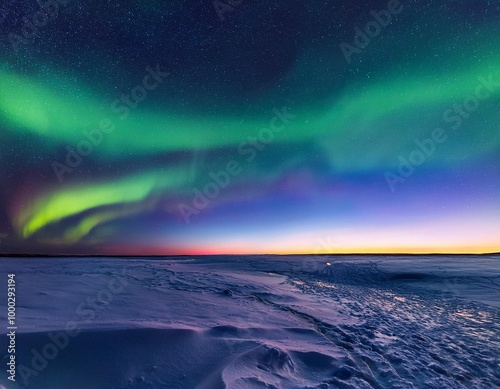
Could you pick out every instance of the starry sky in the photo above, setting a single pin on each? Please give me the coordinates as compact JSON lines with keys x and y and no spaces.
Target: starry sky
{"x":249,"y":127}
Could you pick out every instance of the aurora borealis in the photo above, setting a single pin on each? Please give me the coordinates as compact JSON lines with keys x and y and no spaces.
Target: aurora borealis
{"x":149,"y":127}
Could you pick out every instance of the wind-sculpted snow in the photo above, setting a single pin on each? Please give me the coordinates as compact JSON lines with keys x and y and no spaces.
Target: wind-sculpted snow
{"x":412,"y":337}
{"x":258,"y":323}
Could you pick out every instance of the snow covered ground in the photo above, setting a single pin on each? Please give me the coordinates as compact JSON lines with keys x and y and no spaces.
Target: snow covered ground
{"x":244,"y":322}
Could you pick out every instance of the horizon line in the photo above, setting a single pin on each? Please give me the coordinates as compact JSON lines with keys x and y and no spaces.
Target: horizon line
{"x":4,"y":255}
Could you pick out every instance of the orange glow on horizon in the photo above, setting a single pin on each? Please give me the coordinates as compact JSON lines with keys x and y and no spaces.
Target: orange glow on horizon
{"x":173,"y":251}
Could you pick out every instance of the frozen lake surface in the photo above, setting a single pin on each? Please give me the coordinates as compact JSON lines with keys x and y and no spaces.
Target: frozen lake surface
{"x":249,"y":322}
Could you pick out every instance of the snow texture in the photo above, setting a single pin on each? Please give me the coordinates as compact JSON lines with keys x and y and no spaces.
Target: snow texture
{"x":255,"y":322}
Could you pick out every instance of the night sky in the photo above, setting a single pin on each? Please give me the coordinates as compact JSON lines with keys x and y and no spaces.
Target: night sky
{"x":199,"y":127}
